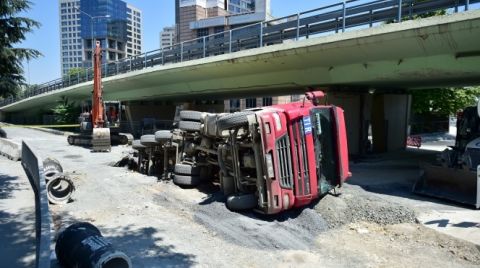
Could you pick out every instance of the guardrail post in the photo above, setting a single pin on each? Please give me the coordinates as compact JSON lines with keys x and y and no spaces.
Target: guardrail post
{"x":163,"y":61}
{"x":456,"y":6}
{"x":204,"y":46}
{"x":298,"y":26}
{"x":181,"y":52}
{"x":467,"y":5}
{"x":86,"y":75}
{"x":106,"y":69}
{"x":78,"y":77}
{"x":399,"y":18}
{"x":116,"y":68}
{"x":130,"y":63}
{"x":261,"y":34}
{"x":344,"y":15}
{"x":146,"y":53}
{"x":230,"y":41}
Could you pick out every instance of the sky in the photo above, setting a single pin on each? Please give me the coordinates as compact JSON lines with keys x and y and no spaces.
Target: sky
{"x":156,"y":15}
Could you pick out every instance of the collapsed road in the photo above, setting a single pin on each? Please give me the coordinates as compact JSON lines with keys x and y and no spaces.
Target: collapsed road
{"x":160,"y":224}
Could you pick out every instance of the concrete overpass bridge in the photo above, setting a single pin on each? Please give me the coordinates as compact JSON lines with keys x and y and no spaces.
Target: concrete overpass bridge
{"x":286,"y":55}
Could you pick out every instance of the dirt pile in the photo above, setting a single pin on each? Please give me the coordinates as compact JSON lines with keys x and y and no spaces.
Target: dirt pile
{"x":356,"y":206}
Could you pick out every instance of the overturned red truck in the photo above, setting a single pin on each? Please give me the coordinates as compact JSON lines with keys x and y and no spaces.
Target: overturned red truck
{"x":270,"y":159}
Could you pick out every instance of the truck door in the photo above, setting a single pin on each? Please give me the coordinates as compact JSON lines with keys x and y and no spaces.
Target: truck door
{"x":330,"y":143}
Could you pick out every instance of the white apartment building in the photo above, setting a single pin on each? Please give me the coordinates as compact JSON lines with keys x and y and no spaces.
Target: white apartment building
{"x":167,"y":37}
{"x":71,"y":44}
{"x":134,"y":31}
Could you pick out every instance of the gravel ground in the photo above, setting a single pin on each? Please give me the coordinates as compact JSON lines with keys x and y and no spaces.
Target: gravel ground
{"x":161,"y":225}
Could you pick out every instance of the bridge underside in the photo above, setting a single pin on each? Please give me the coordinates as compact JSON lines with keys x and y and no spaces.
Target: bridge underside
{"x":434,"y":52}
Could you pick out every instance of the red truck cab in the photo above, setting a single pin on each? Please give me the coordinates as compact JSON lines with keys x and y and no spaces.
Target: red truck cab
{"x":300,"y":152}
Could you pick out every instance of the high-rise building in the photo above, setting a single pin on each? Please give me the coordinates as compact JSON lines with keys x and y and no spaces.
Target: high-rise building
{"x":167,"y":37}
{"x":241,"y":6}
{"x":134,"y":31}
{"x":197,"y":18}
{"x":116,"y":24}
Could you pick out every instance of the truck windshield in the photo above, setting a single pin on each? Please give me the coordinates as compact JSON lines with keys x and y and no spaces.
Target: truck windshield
{"x":323,"y":131}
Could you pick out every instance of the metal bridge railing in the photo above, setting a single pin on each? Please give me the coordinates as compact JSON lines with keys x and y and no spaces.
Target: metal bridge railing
{"x":34,"y":168}
{"x":333,"y":18}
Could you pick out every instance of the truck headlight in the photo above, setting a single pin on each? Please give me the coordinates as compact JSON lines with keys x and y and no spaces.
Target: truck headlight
{"x":270,"y":170}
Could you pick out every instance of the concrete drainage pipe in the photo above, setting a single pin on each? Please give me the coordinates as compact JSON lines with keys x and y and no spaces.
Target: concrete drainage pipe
{"x":60,"y":189}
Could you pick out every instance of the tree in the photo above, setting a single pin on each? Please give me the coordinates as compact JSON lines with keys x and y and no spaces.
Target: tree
{"x":13,"y":29}
{"x":74,"y":72}
{"x":445,"y":101}
{"x":65,"y":111}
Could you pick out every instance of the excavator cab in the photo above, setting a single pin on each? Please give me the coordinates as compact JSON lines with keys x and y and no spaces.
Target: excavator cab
{"x":456,"y":175}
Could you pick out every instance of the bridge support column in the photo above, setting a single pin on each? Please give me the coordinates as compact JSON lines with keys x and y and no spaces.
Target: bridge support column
{"x":2,"y":117}
{"x":389,"y":121}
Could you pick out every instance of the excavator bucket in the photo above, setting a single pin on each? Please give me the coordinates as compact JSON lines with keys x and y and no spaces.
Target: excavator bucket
{"x":101,"y":140}
{"x":458,"y":185}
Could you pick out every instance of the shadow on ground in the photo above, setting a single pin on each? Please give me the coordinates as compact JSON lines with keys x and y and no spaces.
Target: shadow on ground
{"x":144,"y":245}
{"x":8,"y":185}
{"x":17,"y":236}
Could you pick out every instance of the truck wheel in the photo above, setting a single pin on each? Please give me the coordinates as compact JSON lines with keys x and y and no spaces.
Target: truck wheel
{"x":241,"y":202}
{"x":227,"y":184}
{"x":137,"y":145}
{"x":148,"y":140}
{"x":191,"y":116}
{"x":186,"y":169}
{"x":189,"y":126}
{"x":186,"y":180}
{"x":233,"y":120}
{"x":163,"y":135}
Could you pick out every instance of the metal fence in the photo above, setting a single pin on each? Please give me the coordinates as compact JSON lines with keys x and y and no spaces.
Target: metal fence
{"x":339,"y":17}
{"x":34,"y":168}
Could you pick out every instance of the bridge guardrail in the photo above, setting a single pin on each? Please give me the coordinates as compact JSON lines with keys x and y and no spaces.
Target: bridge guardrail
{"x":34,"y":168}
{"x":331,"y":18}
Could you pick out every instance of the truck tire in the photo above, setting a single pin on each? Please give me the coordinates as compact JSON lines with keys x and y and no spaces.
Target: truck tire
{"x":241,"y":202}
{"x":228,"y":185}
{"x":189,"y":126}
{"x":233,"y":120}
{"x":163,"y":135}
{"x":186,"y":180}
{"x":148,"y":140}
{"x":185,"y":169}
{"x":190,"y":116}
{"x":137,"y":145}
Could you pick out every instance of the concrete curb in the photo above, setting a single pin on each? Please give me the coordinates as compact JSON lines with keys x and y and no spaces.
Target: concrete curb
{"x":10,"y":149}
{"x":52,"y":131}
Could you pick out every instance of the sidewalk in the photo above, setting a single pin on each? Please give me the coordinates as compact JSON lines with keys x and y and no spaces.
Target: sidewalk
{"x":17,"y":216}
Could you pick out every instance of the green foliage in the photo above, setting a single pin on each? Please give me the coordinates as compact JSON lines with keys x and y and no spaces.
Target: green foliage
{"x":445,"y":101}
{"x":65,"y":112}
{"x":74,"y":72}
{"x":13,"y":29}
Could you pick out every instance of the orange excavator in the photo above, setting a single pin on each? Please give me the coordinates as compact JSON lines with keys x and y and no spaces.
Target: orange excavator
{"x":100,"y":127}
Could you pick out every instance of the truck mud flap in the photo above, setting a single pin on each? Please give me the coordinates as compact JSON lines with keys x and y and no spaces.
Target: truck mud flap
{"x":458,"y":185}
